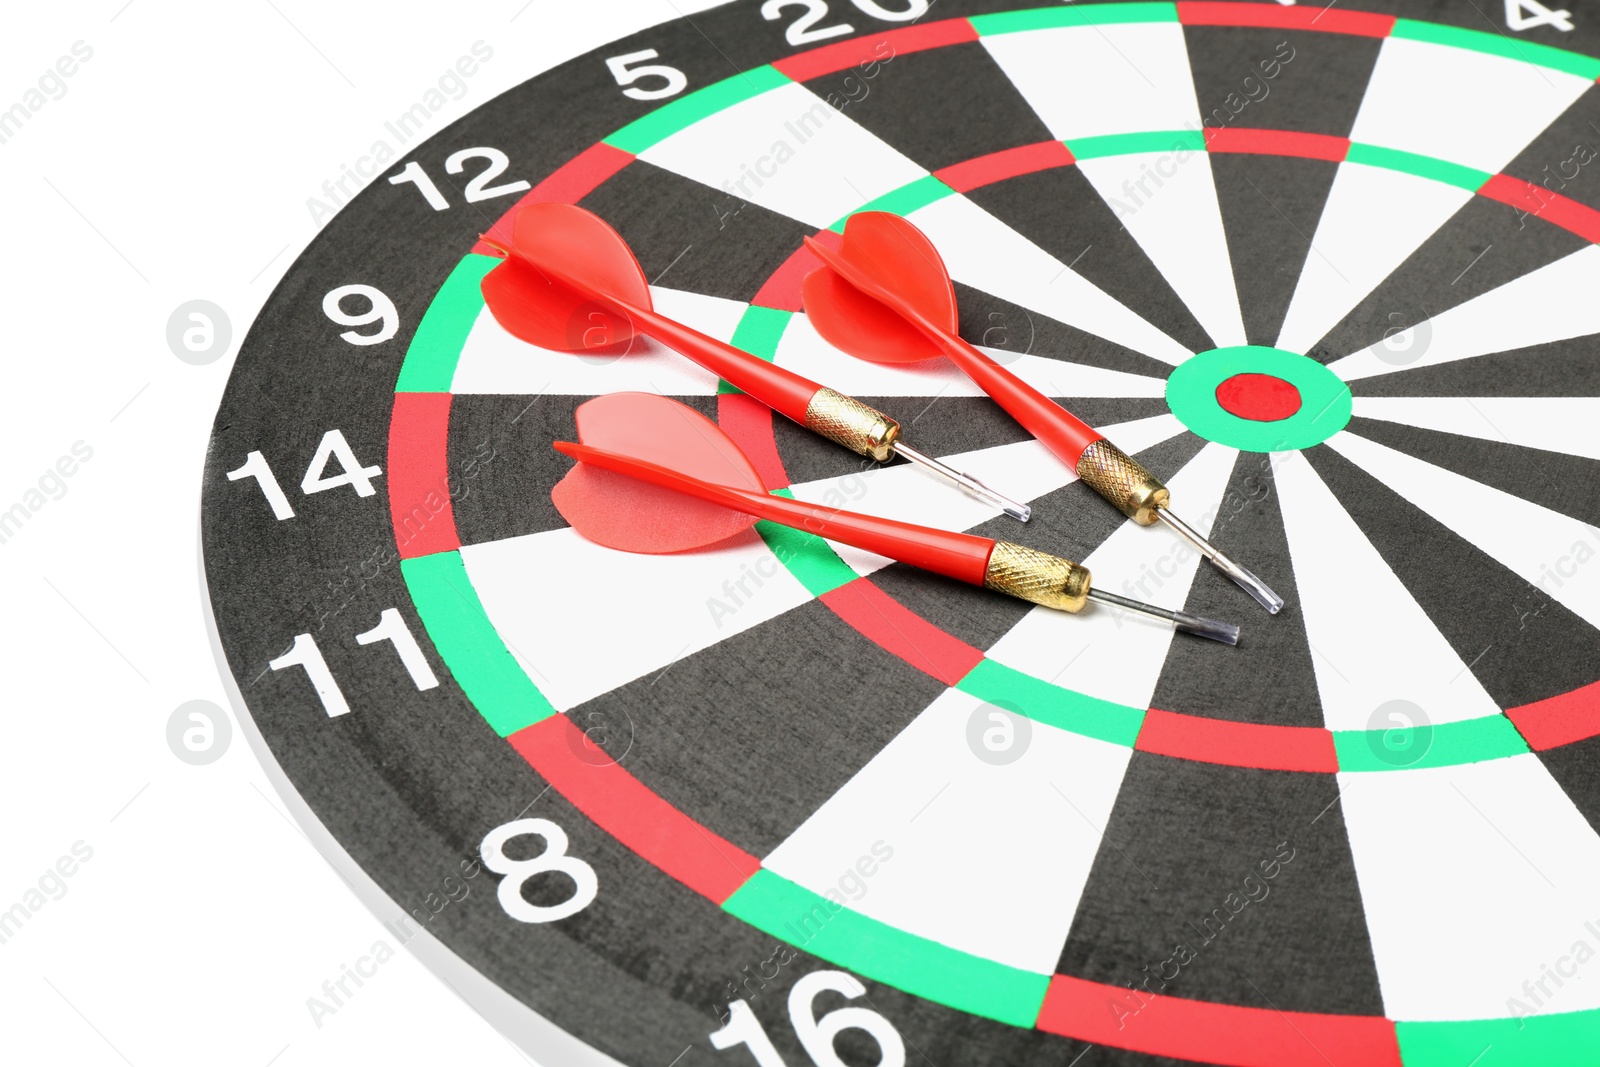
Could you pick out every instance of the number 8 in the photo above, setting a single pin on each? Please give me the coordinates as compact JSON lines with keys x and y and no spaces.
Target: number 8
{"x":517,"y":872}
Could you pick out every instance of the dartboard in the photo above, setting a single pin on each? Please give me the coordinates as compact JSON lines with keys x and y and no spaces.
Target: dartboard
{"x":1328,"y":272}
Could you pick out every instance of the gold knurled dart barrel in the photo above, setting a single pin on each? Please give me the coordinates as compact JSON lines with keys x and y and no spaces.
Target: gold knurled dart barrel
{"x":846,"y":421}
{"x":1121,"y":479}
{"x":1028,"y":574}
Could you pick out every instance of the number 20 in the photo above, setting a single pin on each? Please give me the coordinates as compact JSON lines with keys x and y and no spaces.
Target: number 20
{"x":804,"y":30}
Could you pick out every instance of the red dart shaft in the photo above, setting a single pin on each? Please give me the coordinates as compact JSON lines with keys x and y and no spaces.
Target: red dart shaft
{"x":962,"y":556}
{"x":1058,"y":429}
{"x":782,"y":390}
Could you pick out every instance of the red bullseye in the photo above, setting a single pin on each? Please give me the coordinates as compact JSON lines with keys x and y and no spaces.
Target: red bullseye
{"x":1258,"y":397}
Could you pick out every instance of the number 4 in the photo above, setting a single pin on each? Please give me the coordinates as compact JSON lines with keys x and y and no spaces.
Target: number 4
{"x":1526,"y":14}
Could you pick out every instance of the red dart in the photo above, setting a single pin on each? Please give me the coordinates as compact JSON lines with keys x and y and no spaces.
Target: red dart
{"x":885,"y":296}
{"x":570,"y":282}
{"x":654,"y":475}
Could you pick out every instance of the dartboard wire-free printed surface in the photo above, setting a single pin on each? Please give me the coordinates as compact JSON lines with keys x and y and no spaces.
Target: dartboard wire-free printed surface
{"x":1328,"y":272}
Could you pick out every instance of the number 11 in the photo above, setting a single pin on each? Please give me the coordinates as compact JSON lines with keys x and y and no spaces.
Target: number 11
{"x":391,"y":627}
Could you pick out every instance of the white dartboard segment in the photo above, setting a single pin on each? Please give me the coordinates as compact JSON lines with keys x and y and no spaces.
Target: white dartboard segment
{"x":1370,"y":641}
{"x":1537,"y":308}
{"x":829,"y":165}
{"x":1109,"y":654}
{"x":803,"y":351}
{"x":1103,"y":79}
{"x":590,"y":645}
{"x":1456,"y":105}
{"x":1524,"y":537}
{"x":1168,"y":202}
{"x":1564,"y":424}
{"x":1121,"y":78}
{"x":1027,"y":833}
{"x":985,"y":253}
{"x":1373,"y":220}
{"x":1460,"y":105}
{"x":1475,"y":878}
{"x":493,"y":361}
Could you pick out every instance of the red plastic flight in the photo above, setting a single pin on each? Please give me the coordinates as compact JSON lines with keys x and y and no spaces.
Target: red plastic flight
{"x":886,"y":296}
{"x":571,"y":283}
{"x":656,"y":476}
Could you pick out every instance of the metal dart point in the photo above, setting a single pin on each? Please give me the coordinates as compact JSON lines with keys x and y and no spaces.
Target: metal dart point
{"x":1245,"y":578}
{"x":967,"y":483}
{"x":1138,"y":494}
{"x":1225,"y":632}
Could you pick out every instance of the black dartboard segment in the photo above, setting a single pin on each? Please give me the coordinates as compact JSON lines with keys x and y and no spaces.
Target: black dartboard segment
{"x":786,"y":802}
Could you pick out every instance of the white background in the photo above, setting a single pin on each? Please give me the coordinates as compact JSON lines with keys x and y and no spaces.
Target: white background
{"x":177,"y":167}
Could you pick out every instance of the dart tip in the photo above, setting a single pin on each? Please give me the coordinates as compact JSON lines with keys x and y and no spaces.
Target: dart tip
{"x":1253,"y":585}
{"x":1224,"y":632}
{"x":1243,"y":577}
{"x":1212,"y":629}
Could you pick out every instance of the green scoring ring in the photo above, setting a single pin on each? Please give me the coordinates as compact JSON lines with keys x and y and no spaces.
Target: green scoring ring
{"x":1324,"y":398}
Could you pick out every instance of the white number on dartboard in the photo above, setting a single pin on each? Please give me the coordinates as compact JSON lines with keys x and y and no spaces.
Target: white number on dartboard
{"x":478,"y":187}
{"x":815,"y":1033}
{"x":333,"y":446}
{"x":804,"y":30}
{"x":800,"y":30}
{"x":391,"y":627}
{"x":554,"y":858}
{"x":380,"y":310}
{"x":1526,"y":14}
{"x":914,"y":9}
{"x":627,"y":70}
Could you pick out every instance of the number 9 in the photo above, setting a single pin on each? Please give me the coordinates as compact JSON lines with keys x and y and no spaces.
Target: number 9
{"x":382,"y":310}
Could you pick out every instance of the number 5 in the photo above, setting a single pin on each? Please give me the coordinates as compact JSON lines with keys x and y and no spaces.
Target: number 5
{"x":674,"y":79}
